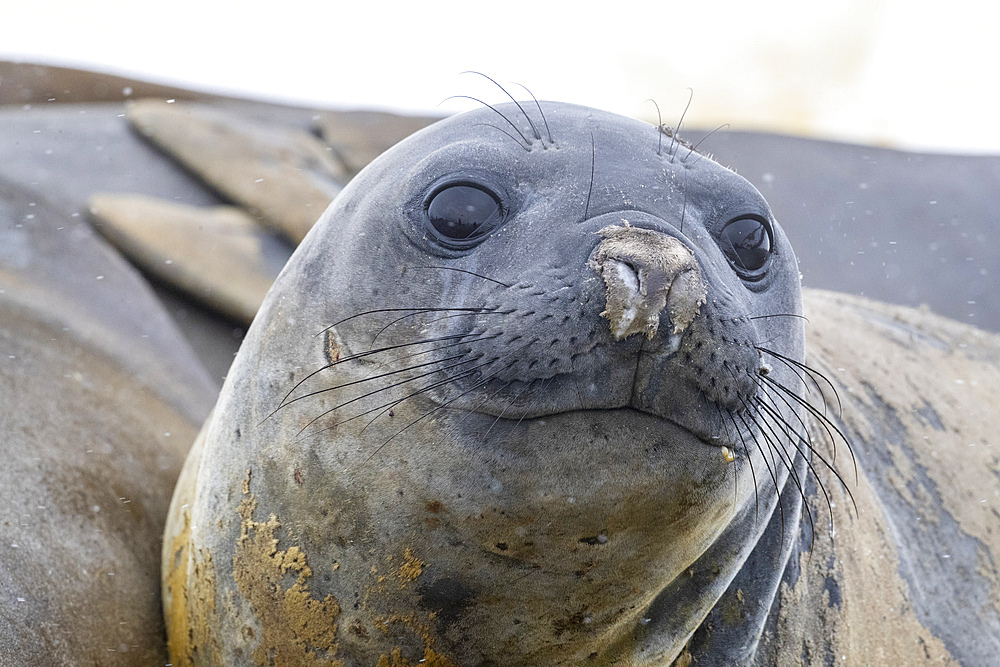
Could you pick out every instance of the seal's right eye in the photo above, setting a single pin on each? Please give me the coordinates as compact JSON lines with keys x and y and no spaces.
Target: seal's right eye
{"x":747,"y":242}
{"x":460,"y":216}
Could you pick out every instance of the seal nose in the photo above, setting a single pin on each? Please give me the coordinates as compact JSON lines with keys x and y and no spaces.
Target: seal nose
{"x":646,"y":272}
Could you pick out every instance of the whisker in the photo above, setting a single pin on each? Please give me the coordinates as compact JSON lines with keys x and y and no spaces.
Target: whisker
{"x":736,"y":465}
{"x":445,"y":347}
{"x":746,"y":452}
{"x":808,"y":442}
{"x":395,"y":402}
{"x":526,"y":149}
{"x":452,"y":268}
{"x":684,"y":206}
{"x":393,"y":310}
{"x":354,"y":357}
{"x":424,"y":416}
{"x":763,"y":317}
{"x":808,"y":369}
{"x":479,"y":384}
{"x":509,"y":405}
{"x":380,"y":390}
{"x":507,"y":93}
{"x":541,"y":386}
{"x":372,"y":378}
{"x":494,"y":110}
{"x":695,"y":147}
{"x":770,"y":471}
{"x":779,"y":450}
{"x":795,"y":438}
{"x":540,"y":112}
{"x":676,"y":133}
{"x":590,"y":189}
{"x":659,"y":124}
{"x":823,"y":419}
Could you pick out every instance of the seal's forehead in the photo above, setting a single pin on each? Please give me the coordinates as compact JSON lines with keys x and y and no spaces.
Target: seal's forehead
{"x":578,"y":133}
{"x":548,"y":122}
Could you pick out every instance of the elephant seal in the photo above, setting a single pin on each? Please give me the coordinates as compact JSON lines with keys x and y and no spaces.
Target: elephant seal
{"x":534,"y":390}
{"x":556,"y":397}
{"x":100,"y":397}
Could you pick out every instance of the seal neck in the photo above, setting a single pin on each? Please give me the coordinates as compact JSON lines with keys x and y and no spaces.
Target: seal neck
{"x":731,"y":631}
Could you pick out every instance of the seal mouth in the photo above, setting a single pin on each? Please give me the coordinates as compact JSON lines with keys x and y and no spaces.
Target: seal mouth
{"x":701,"y":431}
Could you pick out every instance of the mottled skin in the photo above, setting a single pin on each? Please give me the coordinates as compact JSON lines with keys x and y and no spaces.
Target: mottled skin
{"x":570,"y":503}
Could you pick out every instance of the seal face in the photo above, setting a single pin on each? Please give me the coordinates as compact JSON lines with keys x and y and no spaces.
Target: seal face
{"x":554,"y":401}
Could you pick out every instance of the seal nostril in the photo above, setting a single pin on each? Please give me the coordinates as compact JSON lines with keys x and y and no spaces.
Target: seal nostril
{"x":646,"y":273}
{"x":628,"y":275}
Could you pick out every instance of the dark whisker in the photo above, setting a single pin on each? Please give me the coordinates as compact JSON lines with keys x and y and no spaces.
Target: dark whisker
{"x":760,"y":384}
{"x":395,"y":402}
{"x":659,"y":128}
{"x":795,"y":438}
{"x":764,"y":317}
{"x":808,"y":369}
{"x":381,"y":389}
{"x":526,"y":149}
{"x":451,"y":268}
{"x":494,"y":110}
{"x":507,"y":93}
{"x":746,"y":452}
{"x":360,"y":355}
{"x":424,"y":416}
{"x":736,"y":466}
{"x":770,"y":471}
{"x":808,"y":441}
{"x":778,"y":448}
{"x":590,"y":189}
{"x":393,"y":310}
{"x":695,"y":147}
{"x":445,"y":347}
{"x":825,"y":422}
{"x":805,"y":379}
{"x":540,"y":112}
{"x":676,"y":133}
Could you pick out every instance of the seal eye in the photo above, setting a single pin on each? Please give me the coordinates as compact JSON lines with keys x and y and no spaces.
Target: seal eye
{"x":747,"y":243}
{"x":461,"y":215}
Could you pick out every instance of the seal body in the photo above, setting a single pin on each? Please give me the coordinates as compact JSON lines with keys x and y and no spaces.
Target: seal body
{"x":512,"y":441}
{"x":99,"y":396}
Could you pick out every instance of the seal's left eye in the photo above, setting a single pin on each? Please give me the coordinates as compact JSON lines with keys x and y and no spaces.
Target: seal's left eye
{"x":747,"y":243}
{"x":461,"y":215}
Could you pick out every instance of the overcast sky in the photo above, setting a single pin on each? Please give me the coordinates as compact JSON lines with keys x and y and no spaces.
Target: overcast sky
{"x":876,"y":71}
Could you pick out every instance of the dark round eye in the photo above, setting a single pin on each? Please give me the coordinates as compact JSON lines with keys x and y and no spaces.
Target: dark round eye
{"x":461,"y":215}
{"x":747,"y":243}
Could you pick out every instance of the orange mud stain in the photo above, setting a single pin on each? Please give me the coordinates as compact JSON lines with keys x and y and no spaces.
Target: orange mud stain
{"x":296,"y":628}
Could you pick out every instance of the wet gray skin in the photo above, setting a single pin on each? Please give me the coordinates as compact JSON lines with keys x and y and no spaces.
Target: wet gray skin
{"x":550,"y":435}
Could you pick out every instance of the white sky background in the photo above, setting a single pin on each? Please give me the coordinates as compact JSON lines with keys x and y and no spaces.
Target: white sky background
{"x":880,"y":71}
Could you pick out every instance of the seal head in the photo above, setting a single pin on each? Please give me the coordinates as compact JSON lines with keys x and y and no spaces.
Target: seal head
{"x":546,"y":420}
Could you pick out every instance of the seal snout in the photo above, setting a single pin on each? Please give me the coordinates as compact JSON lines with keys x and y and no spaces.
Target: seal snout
{"x":646,"y":272}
